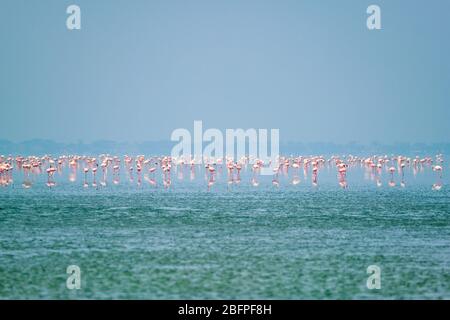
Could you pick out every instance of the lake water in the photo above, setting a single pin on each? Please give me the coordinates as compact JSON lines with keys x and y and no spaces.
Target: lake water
{"x":231,"y":242}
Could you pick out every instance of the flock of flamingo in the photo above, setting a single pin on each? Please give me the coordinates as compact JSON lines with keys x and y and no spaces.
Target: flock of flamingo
{"x":148,"y":169}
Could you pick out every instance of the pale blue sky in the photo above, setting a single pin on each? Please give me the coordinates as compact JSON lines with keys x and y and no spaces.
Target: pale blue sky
{"x":139,"y":69}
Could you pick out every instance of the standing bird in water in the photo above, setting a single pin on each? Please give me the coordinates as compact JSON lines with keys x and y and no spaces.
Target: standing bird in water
{"x":342,"y":175}
{"x":50,"y":181}
{"x":116,"y":174}
{"x":212,"y":176}
{"x":392,"y":182}
{"x":94,"y":171}
{"x":254,"y":181}
{"x":275,"y":180}
{"x":26,"y":171}
{"x":438,"y":184}
{"x":402,"y":171}
{"x":86,"y":170}
{"x":104,"y":166}
{"x":314,"y":173}
{"x":296,"y":177}
{"x":378,"y":174}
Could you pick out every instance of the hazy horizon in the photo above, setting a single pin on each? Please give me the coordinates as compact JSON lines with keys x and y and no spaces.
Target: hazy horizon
{"x":42,"y":147}
{"x":137,"y":71}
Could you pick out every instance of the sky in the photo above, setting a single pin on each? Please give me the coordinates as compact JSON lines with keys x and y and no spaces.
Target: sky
{"x":137,"y":70}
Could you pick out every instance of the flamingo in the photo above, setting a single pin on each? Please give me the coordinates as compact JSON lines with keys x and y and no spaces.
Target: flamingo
{"x":94,"y":182}
{"x":116,"y":174}
{"x":26,"y":183}
{"x":275,"y":180}
{"x":50,"y":171}
{"x":104,"y":167}
{"x":296,"y":177}
{"x":391,"y":182}
{"x":86,"y":170}
{"x":438,"y":184}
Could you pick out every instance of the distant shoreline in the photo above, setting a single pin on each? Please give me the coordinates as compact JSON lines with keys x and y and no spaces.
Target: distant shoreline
{"x":41,"y":146}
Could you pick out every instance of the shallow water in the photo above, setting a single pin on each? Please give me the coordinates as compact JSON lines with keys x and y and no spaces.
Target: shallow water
{"x":233,"y":242}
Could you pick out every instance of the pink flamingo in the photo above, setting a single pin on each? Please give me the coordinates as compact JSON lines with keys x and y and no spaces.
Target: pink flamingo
{"x":296,"y":177}
{"x":192,"y":174}
{"x":238,"y":168}
{"x":151,"y":179}
{"x":138,"y":169}
{"x":104,"y":167}
{"x":402,"y":172}
{"x":378,"y":174}
{"x":212,"y":176}
{"x":275,"y":180}
{"x":26,"y":183}
{"x":314,"y":175}
{"x":116,"y":174}
{"x":50,"y":181}
{"x":166,"y":172}
{"x":392,"y":182}
{"x":230,"y":175}
{"x":86,"y":170}
{"x":438,"y":184}
{"x":342,"y":174}
{"x":73,"y":168}
{"x":254,"y":180}
{"x":94,"y":171}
